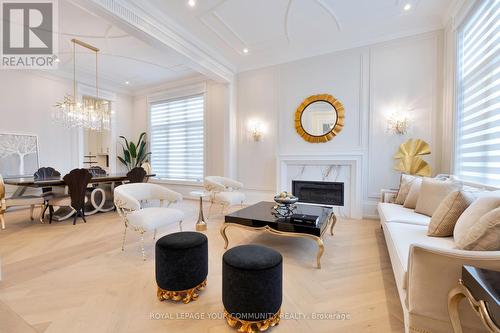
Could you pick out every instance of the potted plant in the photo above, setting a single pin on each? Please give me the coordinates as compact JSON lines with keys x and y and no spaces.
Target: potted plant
{"x":134,"y":154}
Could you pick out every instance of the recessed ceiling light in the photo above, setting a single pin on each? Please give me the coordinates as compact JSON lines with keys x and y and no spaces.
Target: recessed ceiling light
{"x":407,"y":7}
{"x":245,"y":50}
{"x":192,"y":3}
{"x":127,"y":82}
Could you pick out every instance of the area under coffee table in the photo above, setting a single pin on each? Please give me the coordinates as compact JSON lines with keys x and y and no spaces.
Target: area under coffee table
{"x":260,"y":217}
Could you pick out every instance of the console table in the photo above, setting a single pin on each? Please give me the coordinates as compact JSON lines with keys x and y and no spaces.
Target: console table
{"x":481,"y":287}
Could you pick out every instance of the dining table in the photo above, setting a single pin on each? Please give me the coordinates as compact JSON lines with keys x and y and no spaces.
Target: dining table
{"x":99,"y":194}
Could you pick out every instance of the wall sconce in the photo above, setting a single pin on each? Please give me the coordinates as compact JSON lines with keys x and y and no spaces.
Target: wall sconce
{"x":398,"y":123}
{"x":256,"y":129}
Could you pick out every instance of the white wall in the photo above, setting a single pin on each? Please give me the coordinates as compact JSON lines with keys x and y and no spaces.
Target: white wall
{"x":370,"y":82}
{"x":27,"y":103}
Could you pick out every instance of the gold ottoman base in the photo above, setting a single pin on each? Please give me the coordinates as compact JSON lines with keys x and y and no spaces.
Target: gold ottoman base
{"x":252,"y":326}
{"x":185,"y":296}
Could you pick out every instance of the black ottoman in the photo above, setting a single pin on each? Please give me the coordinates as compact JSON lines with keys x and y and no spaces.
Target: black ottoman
{"x":181,"y":265}
{"x":252,"y":287}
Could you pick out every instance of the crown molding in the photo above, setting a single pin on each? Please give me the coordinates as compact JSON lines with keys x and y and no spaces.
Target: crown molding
{"x":456,"y":12}
{"x":168,"y":85}
{"x":161,"y":30}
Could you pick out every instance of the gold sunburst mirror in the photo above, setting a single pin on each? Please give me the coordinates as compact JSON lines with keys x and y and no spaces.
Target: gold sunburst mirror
{"x":408,"y":158}
{"x":319,"y":118}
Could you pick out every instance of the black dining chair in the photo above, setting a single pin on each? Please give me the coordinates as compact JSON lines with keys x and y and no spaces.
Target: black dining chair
{"x":46,"y":173}
{"x":96,"y":171}
{"x":136,"y":175}
{"x":77,"y":181}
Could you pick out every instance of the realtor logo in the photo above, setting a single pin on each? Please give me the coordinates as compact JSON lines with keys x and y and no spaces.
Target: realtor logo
{"x":28,"y":34}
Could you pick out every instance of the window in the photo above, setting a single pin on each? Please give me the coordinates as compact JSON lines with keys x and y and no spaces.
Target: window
{"x":478,"y":102}
{"x":177,"y":138}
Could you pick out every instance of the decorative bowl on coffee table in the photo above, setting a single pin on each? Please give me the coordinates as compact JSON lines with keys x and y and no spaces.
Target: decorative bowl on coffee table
{"x":285,"y":204}
{"x":286,"y":200}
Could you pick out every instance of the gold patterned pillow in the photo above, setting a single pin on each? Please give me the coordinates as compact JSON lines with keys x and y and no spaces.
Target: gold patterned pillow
{"x":404,"y":187}
{"x":448,"y":212}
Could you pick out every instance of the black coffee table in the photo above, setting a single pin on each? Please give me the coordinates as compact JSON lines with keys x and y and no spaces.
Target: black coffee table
{"x":260,"y":217}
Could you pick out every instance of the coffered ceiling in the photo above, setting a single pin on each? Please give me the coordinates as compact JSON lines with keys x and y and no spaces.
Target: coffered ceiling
{"x":276,"y":31}
{"x":124,"y":60}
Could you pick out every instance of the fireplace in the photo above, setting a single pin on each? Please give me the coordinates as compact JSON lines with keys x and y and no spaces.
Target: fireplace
{"x":325,"y":193}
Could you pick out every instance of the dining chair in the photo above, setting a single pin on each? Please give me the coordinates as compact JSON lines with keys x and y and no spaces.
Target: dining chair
{"x":136,"y":175}
{"x":25,"y":200}
{"x":97,"y":171}
{"x":77,"y":181}
{"x":46,"y":173}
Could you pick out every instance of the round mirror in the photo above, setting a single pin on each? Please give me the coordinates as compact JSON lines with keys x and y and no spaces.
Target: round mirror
{"x":319,"y":118}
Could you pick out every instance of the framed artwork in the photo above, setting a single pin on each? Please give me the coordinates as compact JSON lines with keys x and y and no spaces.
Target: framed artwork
{"x":18,"y":155}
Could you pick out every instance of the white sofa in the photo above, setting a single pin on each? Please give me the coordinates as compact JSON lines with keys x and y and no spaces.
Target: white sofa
{"x":426,"y":269}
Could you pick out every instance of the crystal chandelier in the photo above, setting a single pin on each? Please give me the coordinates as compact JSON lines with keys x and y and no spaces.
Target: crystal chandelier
{"x":91,"y":113}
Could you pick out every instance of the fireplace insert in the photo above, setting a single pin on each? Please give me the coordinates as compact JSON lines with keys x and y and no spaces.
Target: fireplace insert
{"x":318,"y":192}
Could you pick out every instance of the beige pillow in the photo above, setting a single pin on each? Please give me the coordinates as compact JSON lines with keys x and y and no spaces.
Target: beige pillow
{"x":412,"y":197}
{"x":432,"y":192}
{"x":449,"y":210}
{"x":466,"y":233}
{"x":484,"y":235}
{"x":404,"y":187}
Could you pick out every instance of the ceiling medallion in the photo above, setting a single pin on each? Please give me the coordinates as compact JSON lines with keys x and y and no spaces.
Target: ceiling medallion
{"x":91,"y":113}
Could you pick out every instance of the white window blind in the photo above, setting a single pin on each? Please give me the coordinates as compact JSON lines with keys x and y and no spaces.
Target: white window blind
{"x":478,"y":102}
{"x":177,"y":138}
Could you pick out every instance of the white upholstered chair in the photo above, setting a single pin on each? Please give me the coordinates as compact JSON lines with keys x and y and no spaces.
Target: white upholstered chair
{"x":224,"y":191}
{"x":28,"y":200}
{"x":128,"y":198}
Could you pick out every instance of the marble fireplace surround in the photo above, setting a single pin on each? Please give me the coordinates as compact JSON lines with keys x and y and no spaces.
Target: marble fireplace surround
{"x":346,"y":168}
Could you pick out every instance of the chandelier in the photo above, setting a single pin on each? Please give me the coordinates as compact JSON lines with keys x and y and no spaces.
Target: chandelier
{"x":91,"y":113}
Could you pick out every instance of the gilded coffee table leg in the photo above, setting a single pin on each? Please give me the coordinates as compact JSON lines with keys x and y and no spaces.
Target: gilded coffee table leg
{"x":333,"y":219}
{"x":321,"y":250}
{"x":223,"y":233}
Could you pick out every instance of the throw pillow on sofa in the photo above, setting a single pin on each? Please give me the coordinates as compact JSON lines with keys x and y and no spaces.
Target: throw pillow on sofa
{"x":405,"y":184}
{"x":412,"y":197}
{"x":448,"y":212}
{"x":432,"y":192}
{"x":481,"y":234}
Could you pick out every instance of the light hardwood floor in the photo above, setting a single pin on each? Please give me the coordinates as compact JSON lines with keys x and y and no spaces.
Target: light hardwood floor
{"x":65,"y":278}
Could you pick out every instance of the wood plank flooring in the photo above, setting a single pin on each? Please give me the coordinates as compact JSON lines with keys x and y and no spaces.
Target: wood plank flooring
{"x":65,"y":278}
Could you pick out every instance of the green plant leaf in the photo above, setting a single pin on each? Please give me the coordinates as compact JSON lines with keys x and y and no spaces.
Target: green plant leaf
{"x":126,"y":155}
{"x":143,"y":159}
{"x":133,"y":150}
{"x":140,"y":152}
{"x":140,"y":138}
{"x":122,"y":160}
{"x":126,"y":141}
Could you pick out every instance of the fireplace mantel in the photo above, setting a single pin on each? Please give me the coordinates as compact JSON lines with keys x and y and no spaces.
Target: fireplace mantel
{"x":351,"y":161}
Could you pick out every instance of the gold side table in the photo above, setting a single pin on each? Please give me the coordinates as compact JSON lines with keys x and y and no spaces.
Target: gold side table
{"x":201,"y":224}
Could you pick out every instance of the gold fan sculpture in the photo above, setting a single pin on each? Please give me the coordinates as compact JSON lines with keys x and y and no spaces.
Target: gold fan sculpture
{"x":408,"y":158}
